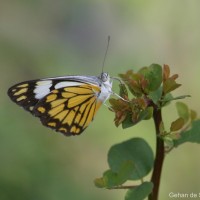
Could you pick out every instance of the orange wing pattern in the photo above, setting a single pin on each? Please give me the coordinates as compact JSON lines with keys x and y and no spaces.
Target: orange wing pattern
{"x":69,"y":110}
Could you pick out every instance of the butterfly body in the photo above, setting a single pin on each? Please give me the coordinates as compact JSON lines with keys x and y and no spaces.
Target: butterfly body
{"x":66,"y":104}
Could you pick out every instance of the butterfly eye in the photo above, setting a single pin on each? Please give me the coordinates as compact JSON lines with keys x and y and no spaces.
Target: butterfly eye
{"x":104,"y":76}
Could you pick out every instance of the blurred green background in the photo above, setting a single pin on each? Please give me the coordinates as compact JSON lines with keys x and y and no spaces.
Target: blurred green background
{"x":46,"y":38}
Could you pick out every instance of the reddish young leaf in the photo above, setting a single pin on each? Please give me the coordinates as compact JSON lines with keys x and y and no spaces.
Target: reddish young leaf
{"x":166,"y":72}
{"x":170,"y":85}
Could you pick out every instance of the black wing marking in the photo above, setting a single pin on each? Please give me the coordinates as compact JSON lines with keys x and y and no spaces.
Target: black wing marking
{"x":24,"y":94}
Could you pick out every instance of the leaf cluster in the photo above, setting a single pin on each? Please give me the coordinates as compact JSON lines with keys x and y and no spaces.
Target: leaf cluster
{"x":186,"y":128}
{"x":150,"y":86}
{"x":149,"y":90}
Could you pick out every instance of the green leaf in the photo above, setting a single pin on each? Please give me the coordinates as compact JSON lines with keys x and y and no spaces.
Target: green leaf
{"x":148,"y":113}
{"x":140,"y":192}
{"x":155,"y":96}
{"x":154,"y":76}
{"x":135,"y":150}
{"x":145,"y":114}
{"x":192,"y":135}
{"x":144,"y":71}
{"x":183,"y":110}
{"x":100,"y":182}
{"x":111,"y":179}
{"x":128,"y":122}
{"x":125,"y":171}
{"x":168,"y":97}
{"x":177,"y":124}
{"x":180,"y":97}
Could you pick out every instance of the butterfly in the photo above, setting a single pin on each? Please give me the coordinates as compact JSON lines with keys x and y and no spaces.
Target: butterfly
{"x":66,"y":104}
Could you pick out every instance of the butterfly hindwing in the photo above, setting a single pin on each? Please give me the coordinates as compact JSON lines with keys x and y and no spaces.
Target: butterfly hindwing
{"x":70,"y":109}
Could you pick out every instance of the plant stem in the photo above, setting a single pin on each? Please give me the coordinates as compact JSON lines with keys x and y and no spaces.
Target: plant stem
{"x":124,"y":187}
{"x":159,"y":157}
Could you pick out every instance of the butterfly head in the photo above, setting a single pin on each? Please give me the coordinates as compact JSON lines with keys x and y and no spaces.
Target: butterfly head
{"x":104,"y":77}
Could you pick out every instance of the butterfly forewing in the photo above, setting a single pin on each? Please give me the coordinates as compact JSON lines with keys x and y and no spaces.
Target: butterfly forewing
{"x":27,"y":94}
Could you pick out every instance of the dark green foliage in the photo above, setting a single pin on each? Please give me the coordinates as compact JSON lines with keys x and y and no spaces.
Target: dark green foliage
{"x":136,"y":151}
{"x":129,"y":160}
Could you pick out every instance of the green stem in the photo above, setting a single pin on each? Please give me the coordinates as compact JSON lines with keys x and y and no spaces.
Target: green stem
{"x":159,"y":157}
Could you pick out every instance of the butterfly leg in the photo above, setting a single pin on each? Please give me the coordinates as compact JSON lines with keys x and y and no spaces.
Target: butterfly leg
{"x":110,"y":108}
{"x":115,"y":94}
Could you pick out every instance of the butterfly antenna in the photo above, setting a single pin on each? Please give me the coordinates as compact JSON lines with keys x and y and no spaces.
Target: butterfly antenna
{"x":104,"y":59}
